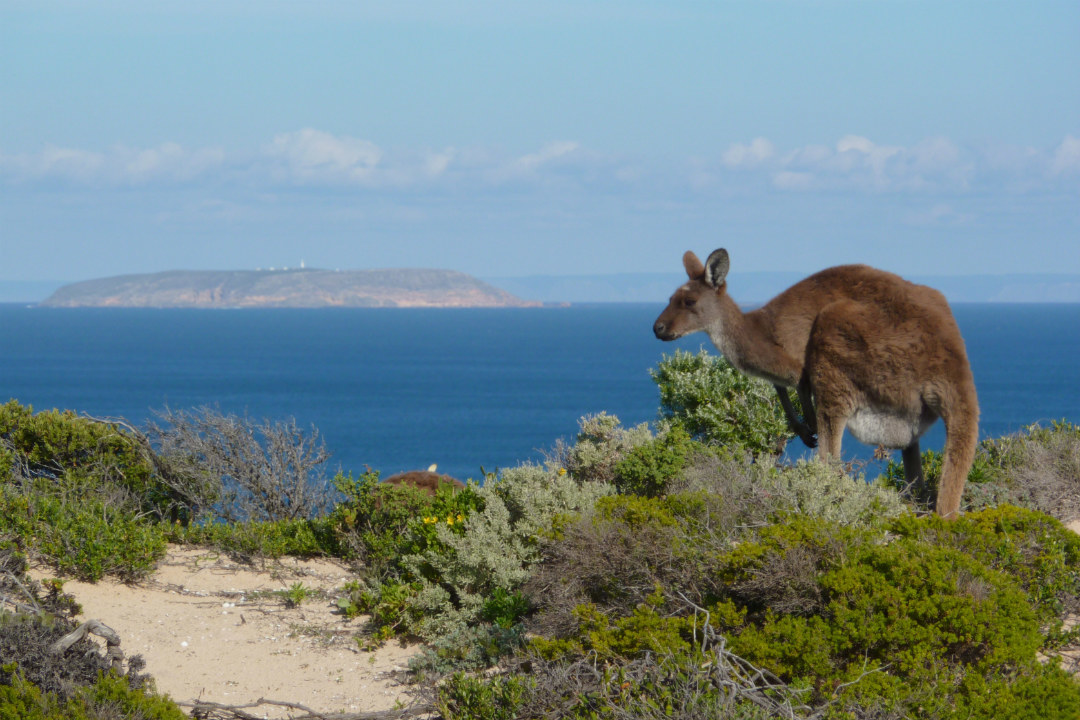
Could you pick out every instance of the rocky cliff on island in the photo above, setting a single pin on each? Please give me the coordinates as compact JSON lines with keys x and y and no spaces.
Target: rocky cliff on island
{"x":300,"y":288}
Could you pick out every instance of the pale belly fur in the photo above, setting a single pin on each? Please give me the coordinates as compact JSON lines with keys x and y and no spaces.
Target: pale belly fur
{"x":889,"y":427}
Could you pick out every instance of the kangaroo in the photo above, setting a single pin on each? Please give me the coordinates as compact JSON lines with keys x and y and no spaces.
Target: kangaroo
{"x":428,"y":480}
{"x":865,"y":349}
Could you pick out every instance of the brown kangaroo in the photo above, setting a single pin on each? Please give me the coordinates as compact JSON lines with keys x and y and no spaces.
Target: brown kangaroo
{"x":428,"y":480}
{"x":872,"y":351}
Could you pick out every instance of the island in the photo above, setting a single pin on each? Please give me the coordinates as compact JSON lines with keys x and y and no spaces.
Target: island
{"x":287,"y":288}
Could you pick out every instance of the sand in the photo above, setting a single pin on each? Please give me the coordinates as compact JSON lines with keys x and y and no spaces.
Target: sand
{"x":214,"y":630}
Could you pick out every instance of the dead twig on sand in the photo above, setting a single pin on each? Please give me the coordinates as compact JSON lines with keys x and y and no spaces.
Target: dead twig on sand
{"x":93,"y":627}
{"x":204,"y":710}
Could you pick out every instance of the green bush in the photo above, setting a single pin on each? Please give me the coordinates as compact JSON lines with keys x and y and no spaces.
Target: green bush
{"x":1037,"y":468}
{"x":848,"y":616}
{"x":392,"y":607}
{"x":1033,"y":549}
{"x":505,"y":608}
{"x":80,"y":493}
{"x":79,"y":456}
{"x":249,"y":541}
{"x":110,"y":698}
{"x":719,"y":405}
{"x":600,"y":444}
{"x":647,"y":469}
{"x":464,"y":697}
{"x":379,"y":524}
{"x":494,"y":548}
{"x":85,"y":539}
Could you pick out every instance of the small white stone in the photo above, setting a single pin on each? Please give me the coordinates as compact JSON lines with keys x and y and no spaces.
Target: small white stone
{"x":183,"y":643}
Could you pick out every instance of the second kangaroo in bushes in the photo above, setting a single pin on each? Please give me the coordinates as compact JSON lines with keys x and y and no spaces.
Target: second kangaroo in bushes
{"x":866,"y":350}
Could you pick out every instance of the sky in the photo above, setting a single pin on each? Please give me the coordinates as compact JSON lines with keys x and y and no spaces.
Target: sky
{"x":538,"y":138}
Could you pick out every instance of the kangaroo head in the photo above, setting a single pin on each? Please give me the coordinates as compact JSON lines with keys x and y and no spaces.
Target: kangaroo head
{"x":694,"y":305}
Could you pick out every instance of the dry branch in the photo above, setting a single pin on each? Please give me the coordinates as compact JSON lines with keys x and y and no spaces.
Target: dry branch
{"x":206,"y":710}
{"x":95,"y":627}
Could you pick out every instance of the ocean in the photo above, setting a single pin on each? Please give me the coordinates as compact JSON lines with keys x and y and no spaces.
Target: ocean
{"x":401,"y":389}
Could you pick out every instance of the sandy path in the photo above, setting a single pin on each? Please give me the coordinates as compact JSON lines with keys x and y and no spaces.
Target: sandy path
{"x":211,"y":629}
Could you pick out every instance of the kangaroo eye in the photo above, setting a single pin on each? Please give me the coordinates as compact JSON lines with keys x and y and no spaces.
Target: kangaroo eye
{"x":689,"y":302}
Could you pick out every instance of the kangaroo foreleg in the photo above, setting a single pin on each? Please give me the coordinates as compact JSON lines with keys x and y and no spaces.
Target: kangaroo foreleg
{"x":803,"y":428}
{"x":806,"y":399}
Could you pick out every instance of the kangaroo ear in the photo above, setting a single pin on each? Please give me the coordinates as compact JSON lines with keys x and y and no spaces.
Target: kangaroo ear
{"x":694,"y":268}
{"x":716,"y":267}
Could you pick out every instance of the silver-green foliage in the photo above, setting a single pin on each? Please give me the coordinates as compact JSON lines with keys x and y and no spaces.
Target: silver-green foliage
{"x":720,"y":405}
{"x":824,"y":490}
{"x":756,"y":492}
{"x":600,"y":444}
{"x":499,"y":545}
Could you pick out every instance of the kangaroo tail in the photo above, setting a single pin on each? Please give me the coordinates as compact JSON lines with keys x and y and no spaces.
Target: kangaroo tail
{"x":961,"y":439}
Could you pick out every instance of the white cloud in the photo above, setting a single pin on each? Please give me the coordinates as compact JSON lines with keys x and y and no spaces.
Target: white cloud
{"x":939,"y":214}
{"x":856,"y":154}
{"x":752,"y":155}
{"x":437,"y":163}
{"x":809,"y":155}
{"x":1066,"y":156}
{"x":789,"y":180}
{"x":548,"y":153}
{"x":936,"y":164}
{"x":118,"y":166}
{"x":167,"y":161}
{"x":313,"y":155}
{"x":55,"y":161}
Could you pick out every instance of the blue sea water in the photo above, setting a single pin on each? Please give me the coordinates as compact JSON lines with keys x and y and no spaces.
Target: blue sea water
{"x":401,"y":389}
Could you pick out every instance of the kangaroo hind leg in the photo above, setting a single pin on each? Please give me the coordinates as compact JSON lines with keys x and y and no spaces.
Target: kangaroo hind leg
{"x":913,"y":470}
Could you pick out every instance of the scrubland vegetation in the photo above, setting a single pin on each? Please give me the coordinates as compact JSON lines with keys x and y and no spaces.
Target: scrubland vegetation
{"x":679,"y":571}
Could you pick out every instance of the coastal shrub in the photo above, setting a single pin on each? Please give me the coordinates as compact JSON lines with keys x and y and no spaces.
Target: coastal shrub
{"x":392,"y":607}
{"x":616,"y":555}
{"x":467,"y":647}
{"x":505,"y":608}
{"x":648,"y":468}
{"x":469,"y":572}
{"x":824,"y":490}
{"x":1032,"y":548}
{"x":763,"y":490}
{"x":238,"y":468}
{"x":719,"y":405}
{"x":600,"y":444}
{"x":76,"y":457}
{"x":109,"y":698}
{"x":653,"y":687}
{"x":852,"y":611}
{"x":251,"y":541}
{"x":379,"y":524}
{"x":87,"y":539}
{"x":1038,"y":468}
{"x":464,"y":697}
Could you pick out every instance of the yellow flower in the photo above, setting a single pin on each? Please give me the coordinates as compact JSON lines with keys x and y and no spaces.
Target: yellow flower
{"x":460,"y":518}
{"x":562,"y":471}
{"x":449,"y":519}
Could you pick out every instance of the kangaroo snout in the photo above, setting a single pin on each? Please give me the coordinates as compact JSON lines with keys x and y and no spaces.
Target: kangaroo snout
{"x":661,"y":332}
